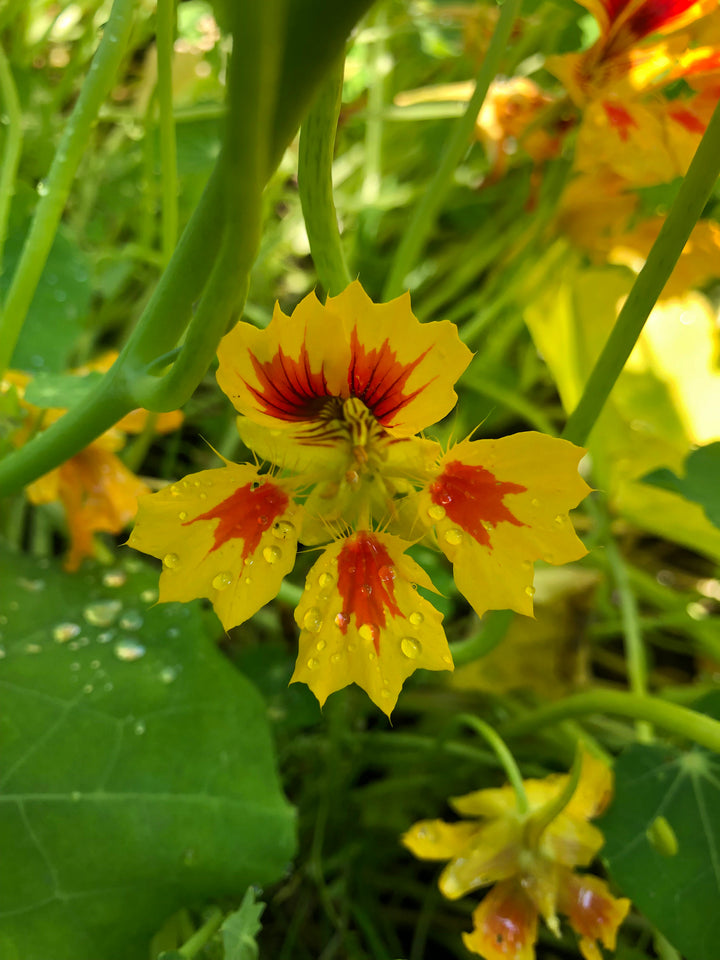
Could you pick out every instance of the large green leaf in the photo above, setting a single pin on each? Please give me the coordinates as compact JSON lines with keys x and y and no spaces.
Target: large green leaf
{"x":700,"y":483}
{"x":138,"y":771}
{"x":663,"y":840}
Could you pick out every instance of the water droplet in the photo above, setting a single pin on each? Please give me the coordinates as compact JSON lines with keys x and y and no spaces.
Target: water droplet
{"x":534,"y":502}
{"x":73,"y":645}
{"x":139,"y":728}
{"x":102,"y":613}
{"x":352,"y":647}
{"x":173,"y":632}
{"x":385,"y":694}
{"x":105,"y":637}
{"x":33,"y":586}
{"x":171,"y":561}
{"x":94,"y":664}
{"x":32,"y":648}
{"x":386,"y":574}
{"x":65,"y":631}
{"x":447,"y":660}
{"x":436,"y":512}
{"x":416,"y":618}
{"x":202,"y":496}
{"x":320,"y":645}
{"x":3,"y":653}
{"x":283,"y":530}
{"x":560,"y":520}
{"x":223,"y":580}
{"x":411,"y":647}
{"x":114,"y":578}
{"x":108,"y":686}
{"x":272,"y":554}
{"x":75,"y":667}
{"x":454,"y":536}
{"x":342,"y":620}
{"x":42,"y":188}
{"x":335,"y":658}
{"x":128,"y":650}
{"x":372,"y":655}
{"x":369,"y":632}
{"x":182,"y":515}
{"x":312,"y":620}
{"x":366,"y":589}
{"x":326,"y":580}
{"x":174,"y":490}
{"x":530,"y":591}
{"x":149,"y":596}
{"x":88,"y":688}
{"x":132,"y":620}
{"x":313,"y":664}
{"x":168,"y":674}
{"x":60,"y":296}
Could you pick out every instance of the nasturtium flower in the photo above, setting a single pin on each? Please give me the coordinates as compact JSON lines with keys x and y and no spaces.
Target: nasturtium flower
{"x":530,"y":859}
{"x":332,"y":398}
{"x":97,"y":491}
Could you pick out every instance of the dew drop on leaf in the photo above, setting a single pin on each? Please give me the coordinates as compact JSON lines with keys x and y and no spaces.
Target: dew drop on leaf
{"x":65,"y":631}
{"x":102,"y":613}
{"x":128,"y":650}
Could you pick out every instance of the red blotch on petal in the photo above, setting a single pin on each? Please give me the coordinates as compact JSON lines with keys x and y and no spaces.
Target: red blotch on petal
{"x":652,"y":15}
{"x":366,"y":584}
{"x":505,"y":924}
{"x":619,"y":118}
{"x":289,"y":389}
{"x":592,"y":910}
{"x":378,"y":378}
{"x":688,"y":120}
{"x":473,"y":498}
{"x":245,"y":515}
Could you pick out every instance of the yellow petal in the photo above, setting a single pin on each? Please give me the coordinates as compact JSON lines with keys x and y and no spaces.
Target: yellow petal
{"x":499,"y":505}
{"x":229,"y":535}
{"x":570,"y":841}
{"x":492,"y":855}
{"x":505,"y":925}
{"x":437,"y":840}
{"x":363,"y":622}
{"x":592,"y":911}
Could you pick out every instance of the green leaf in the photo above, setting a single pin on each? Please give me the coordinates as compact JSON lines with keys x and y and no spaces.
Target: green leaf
{"x":700,"y":483}
{"x":675,"y":884}
{"x":138,"y":770}
{"x":60,"y":389}
{"x":241,"y":928}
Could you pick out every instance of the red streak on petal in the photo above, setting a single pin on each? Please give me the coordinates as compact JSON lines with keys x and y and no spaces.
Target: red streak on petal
{"x":593,"y":912}
{"x":507,"y":921}
{"x":655,"y":14}
{"x":688,"y":120}
{"x":245,"y":515}
{"x":472,"y":497}
{"x":366,"y":589}
{"x":619,"y":118}
{"x":289,"y":389}
{"x":378,"y":378}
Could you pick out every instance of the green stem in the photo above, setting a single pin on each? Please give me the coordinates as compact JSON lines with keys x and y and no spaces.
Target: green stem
{"x":12,"y":147}
{"x":317,"y":144}
{"x":694,"y":193}
{"x":668,"y":716}
{"x":203,"y":936}
{"x":377,"y":54}
{"x":492,"y":631}
{"x":56,"y":188}
{"x":168,"y":146}
{"x":507,"y":760}
{"x":423,"y":218}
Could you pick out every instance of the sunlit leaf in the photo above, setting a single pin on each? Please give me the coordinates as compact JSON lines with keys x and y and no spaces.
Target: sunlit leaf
{"x":701,"y":482}
{"x":241,"y":928}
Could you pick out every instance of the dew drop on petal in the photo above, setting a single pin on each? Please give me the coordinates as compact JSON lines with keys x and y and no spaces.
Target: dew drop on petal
{"x":131,"y":620}
{"x":114,"y":578}
{"x":447,"y":660}
{"x":171,"y":561}
{"x":369,"y":632}
{"x":342,"y":620}
{"x":436,"y":512}
{"x":530,"y":591}
{"x":386,"y":574}
{"x":202,"y":496}
{"x":128,"y":650}
{"x":283,"y":529}
{"x":313,"y":664}
{"x":411,"y":647}
{"x":182,"y":515}
{"x":222,"y":580}
{"x":534,"y":502}
{"x":385,"y":694}
{"x":559,"y":520}
{"x":372,"y":655}
{"x":174,"y":490}
{"x":65,"y":631}
{"x":335,"y":658}
{"x":416,"y":618}
{"x":312,"y":620}
{"x":320,"y":645}
{"x":102,"y":613}
{"x":454,"y":536}
{"x":326,"y":580}
{"x":366,"y":589}
{"x":272,"y":554}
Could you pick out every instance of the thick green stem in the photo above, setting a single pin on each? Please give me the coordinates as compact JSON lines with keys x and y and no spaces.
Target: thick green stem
{"x":317,"y":144}
{"x":668,"y":716}
{"x":56,"y":188}
{"x":203,"y":936}
{"x":694,"y":193}
{"x":492,"y":631}
{"x":168,"y":146}
{"x":12,"y":147}
{"x":423,"y":218}
{"x":507,"y":760}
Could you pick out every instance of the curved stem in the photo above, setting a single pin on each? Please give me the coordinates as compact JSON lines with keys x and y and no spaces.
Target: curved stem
{"x":317,"y":143}
{"x":675,"y":719}
{"x":423,"y":218}
{"x":56,"y":187}
{"x":494,"y":626}
{"x":168,"y":146}
{"x":503,"y":754}
{"x":694,"y":193}
{"x":13,"y":146}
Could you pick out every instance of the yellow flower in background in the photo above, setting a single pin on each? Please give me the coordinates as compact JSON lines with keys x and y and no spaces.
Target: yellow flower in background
{"x":530,"y":859}
{"x":333,"y":398}
{"x":97,"y":491}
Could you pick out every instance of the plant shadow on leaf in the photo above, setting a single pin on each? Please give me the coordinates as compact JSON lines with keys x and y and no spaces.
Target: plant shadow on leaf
{"x":138,"y":773}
